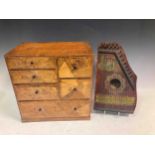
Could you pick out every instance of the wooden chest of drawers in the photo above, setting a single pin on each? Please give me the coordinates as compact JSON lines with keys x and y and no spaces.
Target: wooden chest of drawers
{"x":52,"y":81}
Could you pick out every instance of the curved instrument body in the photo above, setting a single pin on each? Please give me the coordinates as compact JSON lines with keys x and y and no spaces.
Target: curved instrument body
{"x":115,"y":80}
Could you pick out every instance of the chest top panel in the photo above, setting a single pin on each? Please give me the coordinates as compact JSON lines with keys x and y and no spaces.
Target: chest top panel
{"x":36,"y":49}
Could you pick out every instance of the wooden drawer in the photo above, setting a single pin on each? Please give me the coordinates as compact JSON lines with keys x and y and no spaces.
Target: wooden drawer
{"x":31,"y":63}
{"x":33,"y":76}
{"x":75,"y":88}
{"x":56,"y":110}
{"x":70,"y":67}
{"x":25,"y":92}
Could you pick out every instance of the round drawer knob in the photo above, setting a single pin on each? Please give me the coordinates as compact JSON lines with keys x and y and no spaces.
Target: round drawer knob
{"x":75,"y":109}
{"x":74,"y":66}
{"x":37,"y":92}
{"x":74,"y":89}
{"x":31,"y":62}
{"x":34,"y":77}
{"x":39,"y":109}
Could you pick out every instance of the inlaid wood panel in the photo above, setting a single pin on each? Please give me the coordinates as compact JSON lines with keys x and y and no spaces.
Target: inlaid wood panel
{"x":41,"y":110}
{"x":75,"y":88}
{"x":31,"y":63}
{"x":38,"y":92}
{"x":73,"y":67}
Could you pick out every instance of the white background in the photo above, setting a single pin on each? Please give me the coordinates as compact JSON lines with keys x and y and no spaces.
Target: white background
{"x":77,"y":144}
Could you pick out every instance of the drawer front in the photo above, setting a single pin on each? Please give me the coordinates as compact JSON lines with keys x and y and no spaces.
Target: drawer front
{"x":33,"y":76}
{"x":25,"y":92}
{"x":31,"y":63}
{"x":75,"y":88}
{"x":70,"y":67}
{"x":44,"y":110}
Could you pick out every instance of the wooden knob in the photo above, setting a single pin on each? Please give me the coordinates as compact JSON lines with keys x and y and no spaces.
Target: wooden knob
{"x":40,"y":109}
{"x":75,"y":108}
{"x":34,"y":76}
{"x":74,"y":89}
{"x":74,"y":66}
{"x":31,"y":62}
{"x":37,"y":92}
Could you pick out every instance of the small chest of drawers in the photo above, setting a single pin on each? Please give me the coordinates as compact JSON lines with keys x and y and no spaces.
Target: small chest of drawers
{"x":52,"y":81}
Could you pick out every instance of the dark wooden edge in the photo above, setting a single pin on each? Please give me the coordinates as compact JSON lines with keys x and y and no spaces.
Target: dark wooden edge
{"x":115,"y":108}
{"x":56,"y":119}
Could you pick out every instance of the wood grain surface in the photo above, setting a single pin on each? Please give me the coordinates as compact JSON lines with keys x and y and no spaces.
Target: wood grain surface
{"x":74,"y":67}
{"x":47,"y":110}
{"x":48,"y":49}
{"x":75,"y":88}
{"x":115,"y":80}
{"x":36,"y":92}
{"x":31,"y":63}
{"x":33,"y":76}
{"x":52,"y":81}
